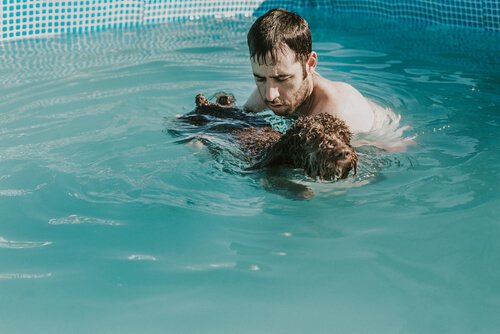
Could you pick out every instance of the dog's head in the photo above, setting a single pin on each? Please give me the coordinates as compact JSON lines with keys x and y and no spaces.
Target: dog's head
{"x":225,"y":99}
{"x":335,"y":159}
{"x":327,"y":157}
{"x":321,"y":146}
{"x":222,"y":100}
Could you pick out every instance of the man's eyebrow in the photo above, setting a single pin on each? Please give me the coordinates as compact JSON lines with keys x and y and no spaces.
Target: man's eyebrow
{"x":273,"y":76}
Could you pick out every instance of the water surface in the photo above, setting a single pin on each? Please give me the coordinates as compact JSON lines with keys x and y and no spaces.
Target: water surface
{"x":111,"y":226}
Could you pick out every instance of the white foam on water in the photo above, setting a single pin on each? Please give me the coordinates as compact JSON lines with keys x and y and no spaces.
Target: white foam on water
{"x":141,"y":257}
{"x":19,"y":192}
{"x":386,"y":132}
{"x":22,"y":276}
{"x":78,"y":220}
{"x":11,"y":244}
{"x":211,"y":266}
{"x":14,"y":192}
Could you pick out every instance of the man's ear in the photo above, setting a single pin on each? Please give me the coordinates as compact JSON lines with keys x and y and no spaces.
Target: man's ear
{"x":312,"y":61}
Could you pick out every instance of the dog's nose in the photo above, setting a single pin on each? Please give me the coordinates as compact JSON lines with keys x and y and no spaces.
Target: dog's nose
{"x":344,"y":154}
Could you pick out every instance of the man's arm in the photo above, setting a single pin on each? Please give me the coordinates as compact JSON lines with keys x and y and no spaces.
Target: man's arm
{"x":254,"y":102}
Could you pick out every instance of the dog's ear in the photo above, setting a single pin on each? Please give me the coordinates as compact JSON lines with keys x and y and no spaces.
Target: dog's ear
{"x":201,"y":100}
{"x":355,"y":163}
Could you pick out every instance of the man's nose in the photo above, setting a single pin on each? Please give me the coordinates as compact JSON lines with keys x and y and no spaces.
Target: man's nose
{"x":272,"y":92}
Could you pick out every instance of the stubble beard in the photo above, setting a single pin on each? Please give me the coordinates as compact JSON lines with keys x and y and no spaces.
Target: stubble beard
{"x":297,"y":101}
{"x":300,"y":97}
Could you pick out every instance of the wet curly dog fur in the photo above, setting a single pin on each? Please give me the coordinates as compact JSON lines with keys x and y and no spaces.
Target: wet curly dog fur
{"x":319,"y":144}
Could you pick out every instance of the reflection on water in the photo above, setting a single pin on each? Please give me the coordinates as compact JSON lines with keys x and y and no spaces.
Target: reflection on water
{"x":107,"y":53}
{"x":76,"y":220}
{"x":19,"y":276}
{"x":12,"y":244}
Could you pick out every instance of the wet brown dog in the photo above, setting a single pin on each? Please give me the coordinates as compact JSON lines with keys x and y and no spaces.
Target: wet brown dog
{"x":318,"y":144}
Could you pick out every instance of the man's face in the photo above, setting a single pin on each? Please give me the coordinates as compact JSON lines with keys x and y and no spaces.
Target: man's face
{"x":283,"y":86}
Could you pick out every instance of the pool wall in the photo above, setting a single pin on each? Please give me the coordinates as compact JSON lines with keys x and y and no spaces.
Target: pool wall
{"x":42,"y":18}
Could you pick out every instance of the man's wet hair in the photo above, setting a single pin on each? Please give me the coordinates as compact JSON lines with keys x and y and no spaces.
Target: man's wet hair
{"x":274,"y":31}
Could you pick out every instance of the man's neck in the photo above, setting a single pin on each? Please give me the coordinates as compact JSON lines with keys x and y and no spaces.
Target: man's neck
{"x":306,"y":107}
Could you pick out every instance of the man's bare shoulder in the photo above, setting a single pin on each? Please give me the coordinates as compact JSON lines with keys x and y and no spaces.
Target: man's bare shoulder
{"x":328,"y":95}
{"x":336,"y":89}
{"x":343,"y":100}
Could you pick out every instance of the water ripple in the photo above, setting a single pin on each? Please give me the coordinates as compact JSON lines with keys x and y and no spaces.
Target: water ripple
{"x":141,"y":257}
{"x":35,"y":61}
{"x":79,"y":220}
{"x":11,"y":244}
{"x":19,"y":276}
{"x":14,"y":192}
{"x":243,"y":266}
{"x":19,"y":192}
{"x":212,"y":202}
{"x":211,"y":266}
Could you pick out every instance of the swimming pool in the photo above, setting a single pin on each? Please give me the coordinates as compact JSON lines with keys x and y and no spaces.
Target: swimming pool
{"x":111,"y":226}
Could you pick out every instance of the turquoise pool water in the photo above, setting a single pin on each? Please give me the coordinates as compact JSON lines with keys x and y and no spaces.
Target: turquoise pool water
{"x":109,"y":225}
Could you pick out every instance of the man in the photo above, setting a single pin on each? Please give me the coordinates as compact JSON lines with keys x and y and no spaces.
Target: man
{"x":284,"y":68}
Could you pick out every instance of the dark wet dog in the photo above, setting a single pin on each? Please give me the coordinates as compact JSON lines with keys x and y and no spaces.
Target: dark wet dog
{"x":318,"y":144}
{"x":253,"y":134}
